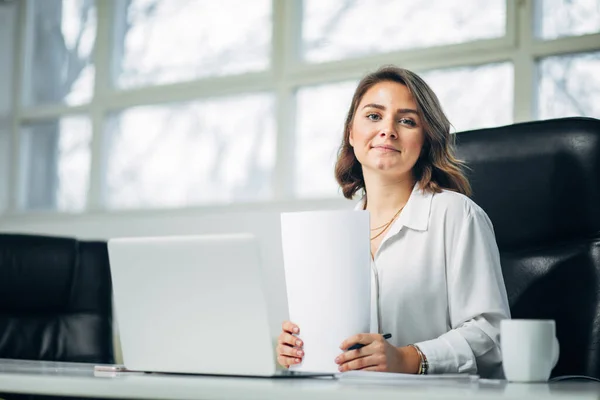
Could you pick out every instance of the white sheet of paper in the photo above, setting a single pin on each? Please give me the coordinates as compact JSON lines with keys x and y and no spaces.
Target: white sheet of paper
{"x":327,"y":263}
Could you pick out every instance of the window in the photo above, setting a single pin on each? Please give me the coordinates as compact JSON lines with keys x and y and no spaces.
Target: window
{"x":56,"y":169}
{"x":474,"y":97}
{"x":338,"y":29}
{"x":167,"y":41}
{"x":321,"y":111}
{"x":561,"y":18}
{"x":143,"y":104}
{"x":569,"y":86}
{"x":215,"y":151}
{"x":62,"y":36}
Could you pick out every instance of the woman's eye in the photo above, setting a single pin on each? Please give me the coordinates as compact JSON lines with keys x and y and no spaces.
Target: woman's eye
{"x":407,"y":121}
{"x":373,"y":117}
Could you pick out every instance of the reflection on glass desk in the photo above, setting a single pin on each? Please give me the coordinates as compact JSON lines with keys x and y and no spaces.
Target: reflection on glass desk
{"x":71,"y":379}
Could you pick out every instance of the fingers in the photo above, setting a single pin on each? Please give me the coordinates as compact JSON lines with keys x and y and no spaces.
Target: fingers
{"x":283,"y":350}
{"x":286,"y":361}
{"x":290,"y":327}
{"x":347,"y":356}
{"x":373,"y":362}
{"x":352,"y":355}
{"x":290,"y":340}
{"x":288,"y":355}
{"x":362,"y":338}
{"x":289,"y":347}
{"x":370,"y":357}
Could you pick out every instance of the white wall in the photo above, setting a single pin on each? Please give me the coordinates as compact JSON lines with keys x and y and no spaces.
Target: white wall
{"x":8,"y":23}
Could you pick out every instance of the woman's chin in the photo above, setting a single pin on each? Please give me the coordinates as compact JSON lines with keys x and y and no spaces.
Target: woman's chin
{"x":385,"y":164}
{"x":389,"y":169}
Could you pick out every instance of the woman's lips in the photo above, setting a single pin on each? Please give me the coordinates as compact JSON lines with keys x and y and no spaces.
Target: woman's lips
{"x":386,"y":149}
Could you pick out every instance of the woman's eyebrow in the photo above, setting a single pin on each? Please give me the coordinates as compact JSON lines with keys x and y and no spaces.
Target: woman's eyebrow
{"x":398,"y":111}
{"x":374,"y":105}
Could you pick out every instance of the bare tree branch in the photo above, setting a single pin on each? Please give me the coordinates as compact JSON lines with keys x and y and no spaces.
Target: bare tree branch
{"x":332,"y":24}
{"x":75,"y":61}
{"x":560,"y":80}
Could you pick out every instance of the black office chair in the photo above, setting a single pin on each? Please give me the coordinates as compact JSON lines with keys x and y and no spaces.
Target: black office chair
{"x":539,"y":182}
{"x":55,"y":299}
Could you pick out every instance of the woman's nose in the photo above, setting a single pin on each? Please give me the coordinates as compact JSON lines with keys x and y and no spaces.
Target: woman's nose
{"x":388,"y":131}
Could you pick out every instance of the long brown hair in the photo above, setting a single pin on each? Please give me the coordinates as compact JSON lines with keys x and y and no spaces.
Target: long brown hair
{"x":437,"y":167}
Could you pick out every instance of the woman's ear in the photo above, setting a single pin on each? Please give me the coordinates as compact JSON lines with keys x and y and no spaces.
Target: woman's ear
{"x":350,"y":138}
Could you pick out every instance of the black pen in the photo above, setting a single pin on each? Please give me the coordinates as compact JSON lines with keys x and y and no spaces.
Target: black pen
{"x":359,"y":345}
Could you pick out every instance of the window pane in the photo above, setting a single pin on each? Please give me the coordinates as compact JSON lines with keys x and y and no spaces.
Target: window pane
{"x":213,"y":151}
{"x":62,"y":36}
{"x":338,"y":29}
{"x":559,"y":18}
{"x":165,"y":41}
{"x":474,"y":97}
{"x":57,"y":164}
{"x":321,"y":111}
{"x":569,"y":86}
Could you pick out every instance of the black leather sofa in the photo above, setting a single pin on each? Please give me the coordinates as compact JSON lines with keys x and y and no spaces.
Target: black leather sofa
{"x":539,"y":182}
{"x":55,"y":299}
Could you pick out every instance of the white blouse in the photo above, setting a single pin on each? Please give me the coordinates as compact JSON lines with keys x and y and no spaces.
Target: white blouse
{"x":437,"y":283}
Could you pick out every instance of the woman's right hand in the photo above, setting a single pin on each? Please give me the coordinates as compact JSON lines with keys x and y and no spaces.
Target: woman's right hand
{"x":289,"y":347}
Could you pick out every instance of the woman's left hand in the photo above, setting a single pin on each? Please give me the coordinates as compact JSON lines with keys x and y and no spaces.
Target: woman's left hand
{"x":376,"y":355}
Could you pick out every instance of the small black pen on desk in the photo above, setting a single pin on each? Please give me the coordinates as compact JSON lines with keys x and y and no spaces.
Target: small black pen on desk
{"x":360,"y":345}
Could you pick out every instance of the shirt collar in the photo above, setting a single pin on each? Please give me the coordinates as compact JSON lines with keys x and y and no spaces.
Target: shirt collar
{"x":416,"y":212}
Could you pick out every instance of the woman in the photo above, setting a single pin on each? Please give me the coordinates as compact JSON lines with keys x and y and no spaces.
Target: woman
{"x":437,"y":283}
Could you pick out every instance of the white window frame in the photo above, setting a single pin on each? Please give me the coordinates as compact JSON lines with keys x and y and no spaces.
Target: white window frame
{"x":287,"y":73}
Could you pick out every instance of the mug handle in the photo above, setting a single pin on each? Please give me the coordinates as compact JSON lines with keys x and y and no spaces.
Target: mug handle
{"x":555,"y":352}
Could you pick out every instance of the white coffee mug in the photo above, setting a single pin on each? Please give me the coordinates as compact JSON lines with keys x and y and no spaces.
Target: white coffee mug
{"x":529,"y":349}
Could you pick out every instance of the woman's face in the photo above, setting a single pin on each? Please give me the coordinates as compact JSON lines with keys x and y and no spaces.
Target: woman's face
{"x":386,"y":132}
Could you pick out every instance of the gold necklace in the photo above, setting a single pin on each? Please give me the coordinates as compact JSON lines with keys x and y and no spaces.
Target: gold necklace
{"x":379,"y":227}
{"x":387,"y":225}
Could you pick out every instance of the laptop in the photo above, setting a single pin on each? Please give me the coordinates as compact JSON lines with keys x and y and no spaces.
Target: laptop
{"x":193,"y":305}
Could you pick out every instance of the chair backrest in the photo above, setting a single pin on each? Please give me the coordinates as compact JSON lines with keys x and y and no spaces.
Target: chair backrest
{"x":539,"y":182}
{"x":55,"y":299}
